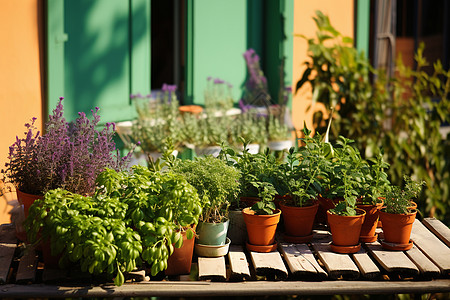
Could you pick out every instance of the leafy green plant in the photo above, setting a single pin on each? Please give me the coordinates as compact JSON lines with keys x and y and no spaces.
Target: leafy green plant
{"x":398,"y":200}
{"x":277,"y":130}
{"x":133,"y":218}
{"x":216,"y":182}
{"x":266,"y":192}
{"x":401,"y":115}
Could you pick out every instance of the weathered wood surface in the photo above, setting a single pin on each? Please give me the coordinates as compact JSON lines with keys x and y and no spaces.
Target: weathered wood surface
{"x":426,"y":267}
{"x":431,"y":246}
{"x":366,"y":266}
{"x":238,"y":263}
{"x":26,"y":271}
{"x":8,"y":245}
{"x":212,"y":268}
{"x":301,"y":262}
{"x":214,"y":289}
{"x":394,"y":262}
{"x":337,"y":265}
{"x":439,"y":229}
{"x":269,"y":264}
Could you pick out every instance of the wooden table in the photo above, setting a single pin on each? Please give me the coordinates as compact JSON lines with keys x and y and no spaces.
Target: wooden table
{"x":295,"y":269}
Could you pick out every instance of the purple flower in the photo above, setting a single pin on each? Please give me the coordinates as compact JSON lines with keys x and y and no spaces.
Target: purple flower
{"x":218,"y":81}
{"x":61,"y":98}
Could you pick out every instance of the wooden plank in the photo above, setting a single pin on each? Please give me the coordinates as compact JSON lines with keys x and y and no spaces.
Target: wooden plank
{"x":431,"y":246}
{"x":395,"y":262}
{"x":238,"y":263}
{"x":269,"y":264}
{"x":426,"y":267}
{"x":8,"y":244}
{"x":337,"y":265}
{"x":438,"y":228}
{"x":26,"y":271}
{"x":301,"y":262}
{"x":366,"y":265}
{"x":212,"y":268}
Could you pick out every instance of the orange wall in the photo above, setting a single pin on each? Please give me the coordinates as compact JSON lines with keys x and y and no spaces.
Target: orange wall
{"x":20,"y":77}
{"x":341,"y":14}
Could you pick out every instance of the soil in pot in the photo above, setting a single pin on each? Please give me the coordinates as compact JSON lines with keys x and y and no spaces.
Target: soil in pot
{"x":212,"y":233}
{"x":345,"y":231}
{"x":369,"y":226}
{"x":298,"y":222}
{"x":397,"y":227}
{"x":261,"y":228}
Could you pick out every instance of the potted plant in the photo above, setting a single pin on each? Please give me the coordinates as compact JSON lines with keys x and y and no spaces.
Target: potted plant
{"x":133,"y":217}
{"x":345,"y":220}
{"x":158,"y":118}
{"x":398,"y":216}
{"x":300,"y":207}
{"x":68,"y":156}
{"x":248,"y":127}
{"x":261,"y":219}
{"x":375,"y":182}
{"x":279,"y":134}
{"x":217,"y":184}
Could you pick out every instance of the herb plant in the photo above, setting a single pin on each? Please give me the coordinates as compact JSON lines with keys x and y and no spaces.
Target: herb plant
{"x":68,"y":156}
{"x":266,"y":192}
{"x":216,"y":182}
{"x":398,"y":200}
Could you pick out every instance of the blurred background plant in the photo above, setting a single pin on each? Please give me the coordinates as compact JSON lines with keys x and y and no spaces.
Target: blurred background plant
{"x":401,"y":115}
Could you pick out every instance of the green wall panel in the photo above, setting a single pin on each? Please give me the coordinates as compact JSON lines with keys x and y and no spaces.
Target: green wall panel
{"x":219,"y":41}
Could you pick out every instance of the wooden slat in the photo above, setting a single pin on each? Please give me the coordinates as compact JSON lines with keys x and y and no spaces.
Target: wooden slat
{"x":395,"y":262}
{"x":366,"y":265}
{"x":8,"y":244}
{"x":26,"y":271}
{"x":301,"y":261}
{"x":439,"y":229}
{"x":426,"y":267}
{"x":238,"y":263}
{"x":337,"y":265}
{"x":212,"y":268}
{"x":431,"y":246}
{"x":269,"y":264}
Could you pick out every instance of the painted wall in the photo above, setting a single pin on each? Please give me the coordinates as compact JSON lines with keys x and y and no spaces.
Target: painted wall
{"x":20,"y":77}
{"x":341,"y":14}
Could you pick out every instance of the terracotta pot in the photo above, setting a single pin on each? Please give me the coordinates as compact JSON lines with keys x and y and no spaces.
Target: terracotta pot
{"x":324,"y":205}
{"x":50,"y":261}
{"x":413,"y":206}
{"x":370,"y":221}
{"x":298,"y":221}
{"x":261,"y":228}
{"x":193,"y":109}
{"x":397,"y":227}
{"x":345,"y":230}
{"x":181,"y":259}
{"x":27,"y":200}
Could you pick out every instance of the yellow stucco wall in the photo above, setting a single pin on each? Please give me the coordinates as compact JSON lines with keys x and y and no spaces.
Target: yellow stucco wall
{"x":341,"y":14}
{"x":20,"y":77}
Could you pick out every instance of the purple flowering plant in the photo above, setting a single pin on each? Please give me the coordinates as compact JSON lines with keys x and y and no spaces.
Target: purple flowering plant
{"x":68,"y":156}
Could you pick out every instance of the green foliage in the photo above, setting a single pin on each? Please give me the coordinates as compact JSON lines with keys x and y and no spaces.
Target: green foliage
{"x":216,"y":182}
{"x":132,"y":218}
{"x":401,"y":115}
{"x":398,"y":200}
{"x":266,"y":192}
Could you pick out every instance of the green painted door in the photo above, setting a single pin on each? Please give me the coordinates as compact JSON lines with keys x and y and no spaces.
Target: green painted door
{"x":99,"y":54}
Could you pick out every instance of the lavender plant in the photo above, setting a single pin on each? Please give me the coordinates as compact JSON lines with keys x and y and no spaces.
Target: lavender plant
{"x":68,"y":156}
